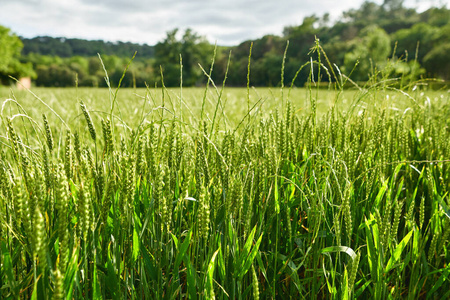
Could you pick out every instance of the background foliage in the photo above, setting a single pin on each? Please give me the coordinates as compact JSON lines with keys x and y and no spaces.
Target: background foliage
{"x":414,"y":44}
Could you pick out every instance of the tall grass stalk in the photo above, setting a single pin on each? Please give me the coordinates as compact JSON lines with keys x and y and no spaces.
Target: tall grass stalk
{"x":298,"y":202}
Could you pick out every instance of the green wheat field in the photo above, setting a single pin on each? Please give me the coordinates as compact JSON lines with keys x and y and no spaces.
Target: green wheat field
{"x":227,"y":193}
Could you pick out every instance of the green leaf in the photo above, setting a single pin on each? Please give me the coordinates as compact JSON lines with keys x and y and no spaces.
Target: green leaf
{"x":439,"y":283}
{"x":181,"y":250}
{"x":209,"y":287}
{"x":245,"y":250}
{"x":190,"y":277}
{"x":175,"y":240}
{"x":381,"y":194}
{"x":263,"y":270}
{"x":35,"y":291}
{"x":112,"y":281}
{"x":444,"y":206}
{"x":277,"y":201}
{"x":136,"y":243}
{"x":96,"y":294}
{"x":221,"y":265}
{"x":344,"y":285}
{"x":359,"y":291}
{"x":293,"y":273}
{"x":372,"y":247}
{"x":71,"y":271}
{"x":396,"y":171}
{"x":399,"y":189}
{"x":8,"y":269}
{"x":344,"y":249}
{"x":398,"y":251}
{"x":415,"y":249}
{"x":249,"y":260}
{"x":148,"y":264}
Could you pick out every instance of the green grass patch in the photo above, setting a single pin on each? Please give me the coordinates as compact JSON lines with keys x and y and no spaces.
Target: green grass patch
{"x":269,"y":193}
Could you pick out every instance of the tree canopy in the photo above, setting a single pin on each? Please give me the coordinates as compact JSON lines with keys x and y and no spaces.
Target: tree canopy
{"x":10,"y":50}
{"x":408,"y":43}
{"x":65,"y":47}
{"x":389,"y":36}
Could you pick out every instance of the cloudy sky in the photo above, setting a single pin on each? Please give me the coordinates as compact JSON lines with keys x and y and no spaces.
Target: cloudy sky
{"x":146,"y":21}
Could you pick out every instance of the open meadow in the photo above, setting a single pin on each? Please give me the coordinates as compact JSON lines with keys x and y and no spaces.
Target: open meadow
{"x":230,"y":193}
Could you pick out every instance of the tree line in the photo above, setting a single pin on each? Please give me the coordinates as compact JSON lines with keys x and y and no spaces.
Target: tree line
{"x":65,"y":47}
{"x":389,"y":39}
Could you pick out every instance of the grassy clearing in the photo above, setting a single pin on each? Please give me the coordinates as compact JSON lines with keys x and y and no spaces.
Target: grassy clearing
{"x":313,"y":194}
{"x":132,"y":102}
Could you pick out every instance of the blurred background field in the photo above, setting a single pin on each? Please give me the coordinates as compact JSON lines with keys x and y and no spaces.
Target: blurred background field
{"x":136,"y":104}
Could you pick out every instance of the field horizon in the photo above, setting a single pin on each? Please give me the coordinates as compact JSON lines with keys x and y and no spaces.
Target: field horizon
{"x":237,"y":193}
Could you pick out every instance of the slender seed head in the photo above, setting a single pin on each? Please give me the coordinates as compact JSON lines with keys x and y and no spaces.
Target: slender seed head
{"x":87,"y":116}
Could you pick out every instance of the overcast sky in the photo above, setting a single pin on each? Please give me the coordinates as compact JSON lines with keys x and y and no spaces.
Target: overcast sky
{"x":147,"y":21}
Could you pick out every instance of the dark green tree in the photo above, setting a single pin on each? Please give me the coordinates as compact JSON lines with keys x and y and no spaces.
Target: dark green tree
{"x":10,"y":63}
{"x":194,"y":50}
{"x":419,"y":37}
{"x":371,"y":49}
{"x":437,"y":61}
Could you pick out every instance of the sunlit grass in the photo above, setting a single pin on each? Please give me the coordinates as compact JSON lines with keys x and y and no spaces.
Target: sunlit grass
{"x":151,"y":200}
